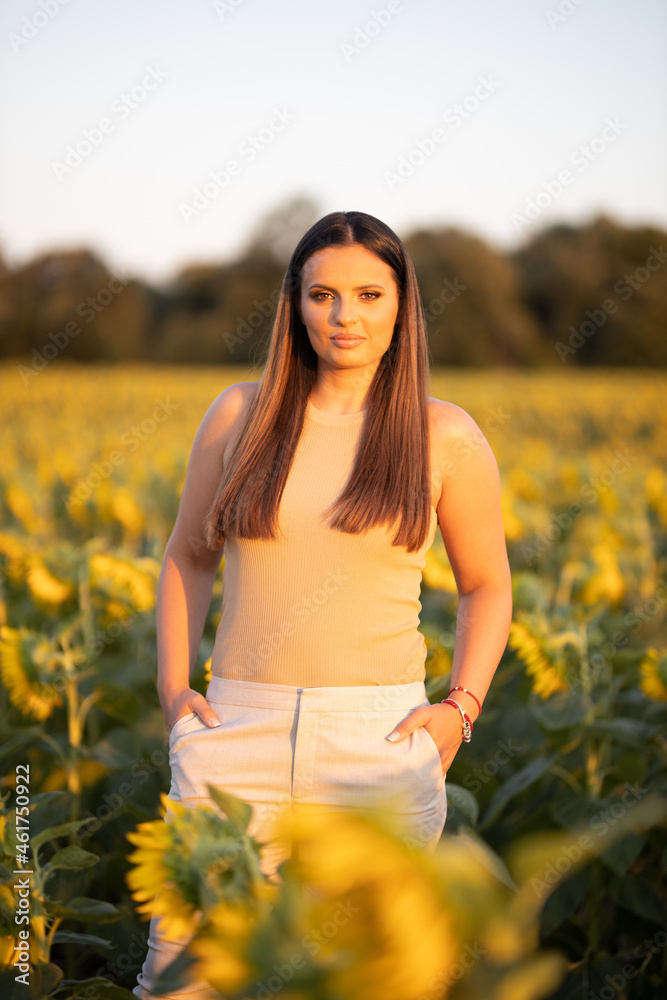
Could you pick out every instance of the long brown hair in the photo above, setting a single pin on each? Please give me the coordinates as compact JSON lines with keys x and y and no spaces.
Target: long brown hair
{"x":390,"y":477}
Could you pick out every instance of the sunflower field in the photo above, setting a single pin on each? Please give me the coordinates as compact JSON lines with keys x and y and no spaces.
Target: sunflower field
{"x":550,"y":879}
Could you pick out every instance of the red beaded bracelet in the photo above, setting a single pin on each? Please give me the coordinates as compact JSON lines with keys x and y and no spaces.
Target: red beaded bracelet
{"x":467,"y":724}
{"x":459,"y":688}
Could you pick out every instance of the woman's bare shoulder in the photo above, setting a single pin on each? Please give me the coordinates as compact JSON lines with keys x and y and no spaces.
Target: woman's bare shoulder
{"x":222,"y":422}
{"x":236,"y":398}
{"x":450,"y":421}
{"x":229,"y":408}
{"x":460,"y":445}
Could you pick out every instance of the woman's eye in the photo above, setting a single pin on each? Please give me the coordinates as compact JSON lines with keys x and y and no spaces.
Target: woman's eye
{"x":373,"y":295}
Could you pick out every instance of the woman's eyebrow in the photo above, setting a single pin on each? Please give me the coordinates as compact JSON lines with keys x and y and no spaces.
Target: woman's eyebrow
{"x":357,"y":288}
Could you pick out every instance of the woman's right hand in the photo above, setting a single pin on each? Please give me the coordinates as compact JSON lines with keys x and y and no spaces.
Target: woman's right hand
{"x":186,"y":701}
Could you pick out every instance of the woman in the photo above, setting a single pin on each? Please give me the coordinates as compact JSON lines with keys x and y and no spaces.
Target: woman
{"x":325,"y":482}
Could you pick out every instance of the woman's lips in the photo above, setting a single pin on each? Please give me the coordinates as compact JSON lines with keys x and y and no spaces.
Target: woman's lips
{"x":347,"y":341}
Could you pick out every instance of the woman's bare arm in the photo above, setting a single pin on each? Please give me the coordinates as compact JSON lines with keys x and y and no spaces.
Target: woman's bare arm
{"x":472,"y":529}
{"x":189,"y":567}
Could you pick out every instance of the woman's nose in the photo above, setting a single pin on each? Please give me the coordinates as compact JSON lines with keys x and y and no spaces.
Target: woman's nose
{"x":345,"y":314}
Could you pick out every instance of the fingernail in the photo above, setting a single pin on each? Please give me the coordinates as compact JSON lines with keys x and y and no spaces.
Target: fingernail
{"x":394,"y":736}
{"x":213,"y":723}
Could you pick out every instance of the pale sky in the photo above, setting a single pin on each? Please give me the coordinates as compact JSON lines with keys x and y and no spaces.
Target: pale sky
{"x":352,"y":104}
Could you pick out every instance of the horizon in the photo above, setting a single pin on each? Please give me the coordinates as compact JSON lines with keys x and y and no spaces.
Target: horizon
{"x":212,"y":262}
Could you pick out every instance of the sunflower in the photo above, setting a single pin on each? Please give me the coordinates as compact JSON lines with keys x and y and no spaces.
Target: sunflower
{"x":125,"y":510}
{"x":190,"y":861}
{"x":22,"y":507}
{"x":547,"y":677}
{"x":607,"y":584}
{"x":222,"y":946}
{"x":372,"y":920}
{"x":26,"y":667}
{"x":17,"y":556}
{"x":47,"y":590}
{"x":126,"y":577}
{"x":653,"y":672}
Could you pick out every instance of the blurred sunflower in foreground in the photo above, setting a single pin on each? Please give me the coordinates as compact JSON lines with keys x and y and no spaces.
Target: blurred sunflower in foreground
{"x":192,"y":861}
{"x":356,"y":912}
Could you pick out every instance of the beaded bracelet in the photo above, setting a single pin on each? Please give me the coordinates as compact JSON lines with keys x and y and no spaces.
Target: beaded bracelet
{"x":467,"y":724}
{"x":459,"y":688}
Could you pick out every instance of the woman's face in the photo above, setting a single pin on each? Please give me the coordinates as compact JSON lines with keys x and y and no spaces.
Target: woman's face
{"x":348,"y":302}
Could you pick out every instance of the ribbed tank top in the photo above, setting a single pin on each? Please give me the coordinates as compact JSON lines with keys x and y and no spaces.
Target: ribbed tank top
{"x":316,"y":606}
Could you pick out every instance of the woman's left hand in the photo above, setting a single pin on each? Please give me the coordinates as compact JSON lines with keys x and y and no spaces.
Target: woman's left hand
{"x":442,"y":722}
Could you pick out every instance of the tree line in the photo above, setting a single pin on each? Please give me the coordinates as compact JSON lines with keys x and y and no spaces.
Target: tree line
{"x":594,"y":294}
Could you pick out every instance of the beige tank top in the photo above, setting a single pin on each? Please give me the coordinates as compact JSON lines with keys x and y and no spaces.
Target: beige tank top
{"x":318,"y":607}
